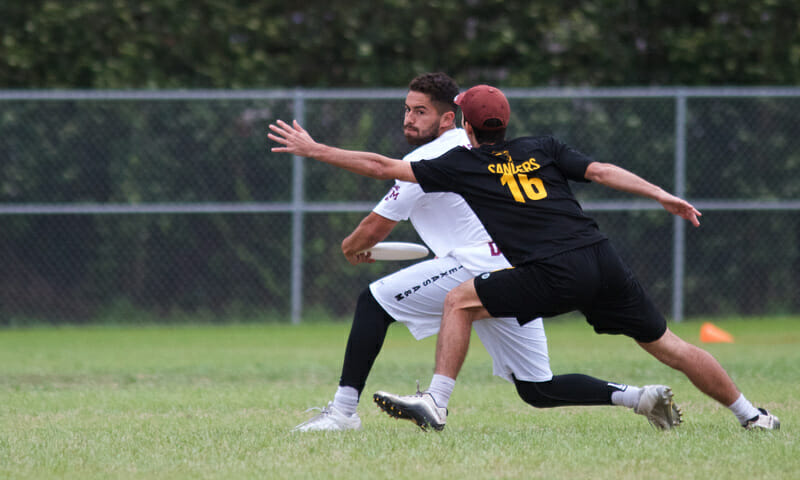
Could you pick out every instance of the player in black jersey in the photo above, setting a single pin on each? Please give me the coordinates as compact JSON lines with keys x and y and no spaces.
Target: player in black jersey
{"x":520,"y":191}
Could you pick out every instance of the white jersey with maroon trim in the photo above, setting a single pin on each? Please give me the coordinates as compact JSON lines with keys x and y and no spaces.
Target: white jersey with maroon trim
{"x":443,"y":221}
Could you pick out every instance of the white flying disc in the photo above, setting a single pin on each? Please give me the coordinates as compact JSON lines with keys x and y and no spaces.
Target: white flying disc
{"x":397,"y":251}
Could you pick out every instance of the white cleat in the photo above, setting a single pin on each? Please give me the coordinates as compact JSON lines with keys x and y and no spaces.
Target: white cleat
{"x":419,"y":408}
{"x":329,"y":419}
{"x":763,"y":421}
{"x":655,"y":403}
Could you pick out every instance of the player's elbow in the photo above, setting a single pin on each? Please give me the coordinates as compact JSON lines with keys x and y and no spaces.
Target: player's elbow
{"x":599,"y":172}
{"x":385,"y":168}
{"x":389,"y":169}
{"x":382,"y":171}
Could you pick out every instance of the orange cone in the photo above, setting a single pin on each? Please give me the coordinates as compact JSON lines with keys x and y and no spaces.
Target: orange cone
{"x":710,"y":333}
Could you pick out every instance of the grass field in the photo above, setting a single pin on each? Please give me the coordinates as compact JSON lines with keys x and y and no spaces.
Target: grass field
{"x":218,"y":402}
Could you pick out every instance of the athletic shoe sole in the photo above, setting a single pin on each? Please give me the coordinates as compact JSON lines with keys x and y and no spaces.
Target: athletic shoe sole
{"x":414,"y":413}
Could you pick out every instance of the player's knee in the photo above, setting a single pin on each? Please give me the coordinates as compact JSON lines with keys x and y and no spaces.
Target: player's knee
{"x":670,"y":350}
{"x":463,"y":297}
{"x":535,"y":393}
{"x":368,"y":307}
{"x":452,"y":301}
{"x":365,"y":298}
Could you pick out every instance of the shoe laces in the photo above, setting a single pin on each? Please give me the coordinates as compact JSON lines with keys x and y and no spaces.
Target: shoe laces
{"x":322,"y":410}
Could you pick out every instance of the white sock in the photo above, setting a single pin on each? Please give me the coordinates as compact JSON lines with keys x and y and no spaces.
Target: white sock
{"x":628,"y":396}
{"x":743,"y":409}
{"x":441,"y":388}
{"x":346,"y":400}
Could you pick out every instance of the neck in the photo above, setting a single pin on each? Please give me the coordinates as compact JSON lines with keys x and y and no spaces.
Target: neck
{"x":444,"y":130}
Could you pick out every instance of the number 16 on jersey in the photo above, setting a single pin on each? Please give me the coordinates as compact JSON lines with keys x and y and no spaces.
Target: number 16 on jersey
{"x":533,"y":187}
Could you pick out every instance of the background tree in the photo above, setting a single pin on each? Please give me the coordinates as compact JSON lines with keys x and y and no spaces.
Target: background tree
{"x":240,"y":44}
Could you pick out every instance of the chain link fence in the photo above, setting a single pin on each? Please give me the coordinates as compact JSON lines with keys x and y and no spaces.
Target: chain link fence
{"x":122,"y":205}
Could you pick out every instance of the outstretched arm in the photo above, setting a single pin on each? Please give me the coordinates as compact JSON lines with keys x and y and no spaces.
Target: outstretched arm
{"x":297,"y":141}
{"x":620,"y":179}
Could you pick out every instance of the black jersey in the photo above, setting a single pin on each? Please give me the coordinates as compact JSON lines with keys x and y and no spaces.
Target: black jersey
{"x":519,"y":191}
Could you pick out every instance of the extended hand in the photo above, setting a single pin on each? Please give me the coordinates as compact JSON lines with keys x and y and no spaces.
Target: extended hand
{"x":681,"y":208}
{"x":294,"y":138}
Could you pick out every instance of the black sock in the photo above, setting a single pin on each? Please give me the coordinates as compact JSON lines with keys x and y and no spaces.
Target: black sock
{"x":565,"y":390}
{"x":370,"y":323}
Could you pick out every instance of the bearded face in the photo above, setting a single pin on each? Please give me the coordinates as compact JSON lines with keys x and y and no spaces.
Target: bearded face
{"x":422,"y":122}
{"x":417,"y":136}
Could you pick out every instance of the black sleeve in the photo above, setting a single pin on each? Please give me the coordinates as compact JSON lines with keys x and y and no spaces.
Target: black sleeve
{"x":572,"y":162}
{"x":435,"y":175}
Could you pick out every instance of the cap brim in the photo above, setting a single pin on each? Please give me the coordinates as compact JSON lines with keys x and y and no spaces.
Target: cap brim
{"x":459,"y":98}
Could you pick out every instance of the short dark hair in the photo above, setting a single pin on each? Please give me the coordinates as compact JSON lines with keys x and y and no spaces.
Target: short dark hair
{"x":489,"y":136}
{"x":441,"y":88}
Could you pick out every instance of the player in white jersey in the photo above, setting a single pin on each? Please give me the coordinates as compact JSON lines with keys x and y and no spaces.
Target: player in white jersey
{"x":415,"y":295}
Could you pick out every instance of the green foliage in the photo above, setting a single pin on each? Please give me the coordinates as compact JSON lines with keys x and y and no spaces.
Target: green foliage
{"x":235,"y":44}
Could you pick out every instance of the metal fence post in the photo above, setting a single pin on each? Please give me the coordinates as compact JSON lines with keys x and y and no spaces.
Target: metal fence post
{"x":298,"y":199}
{"x":679,"y":237}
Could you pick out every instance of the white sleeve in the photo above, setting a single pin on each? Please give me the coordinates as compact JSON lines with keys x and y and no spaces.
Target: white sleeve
{"x":400,"y":201}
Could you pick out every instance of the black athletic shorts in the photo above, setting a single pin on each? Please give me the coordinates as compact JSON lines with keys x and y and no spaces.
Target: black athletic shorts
{"x":592,"y":280}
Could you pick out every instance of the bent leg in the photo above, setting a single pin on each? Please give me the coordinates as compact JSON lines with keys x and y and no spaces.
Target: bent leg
{"x":702,"y":369}
{"x":407,"y":296}
{"x":461,"y":307}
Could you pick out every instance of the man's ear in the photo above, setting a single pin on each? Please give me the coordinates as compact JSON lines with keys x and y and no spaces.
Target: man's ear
{"x":467,"y":127}
{"x":448,"y":120}
{"x":470,"y":133}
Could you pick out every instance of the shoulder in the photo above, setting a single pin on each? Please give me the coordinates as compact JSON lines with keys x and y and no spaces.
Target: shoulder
{"x":442,"y":144}
{"x":453,"y":158}
{"x":453,"y":153}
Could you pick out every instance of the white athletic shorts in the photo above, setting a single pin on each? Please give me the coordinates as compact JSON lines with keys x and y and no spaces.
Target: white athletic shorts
{"x":415,"y":297}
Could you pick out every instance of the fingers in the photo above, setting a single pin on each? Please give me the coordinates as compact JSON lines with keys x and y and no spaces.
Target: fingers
{"x":285,"y":129}
{"x":690,"y":213}
{"x":693,"y":214}
{"x":365,"y":257}
{"x":281,"y":128}
{"x":361,"y":257}
{"x":277,"y":139}
{"x":283,"y":132}
{"x":280,"y":140}
{"x":683,"y":209}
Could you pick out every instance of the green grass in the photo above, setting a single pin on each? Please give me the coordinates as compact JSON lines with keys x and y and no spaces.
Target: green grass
{"x":217,"y":402}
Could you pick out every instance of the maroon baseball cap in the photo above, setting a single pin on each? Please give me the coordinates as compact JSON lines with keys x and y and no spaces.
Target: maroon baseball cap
{"x":483,"y":102}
